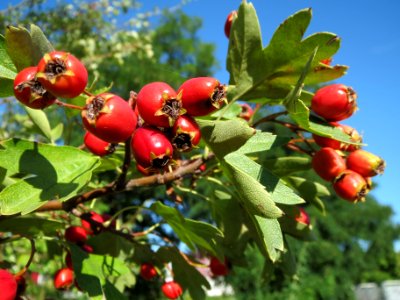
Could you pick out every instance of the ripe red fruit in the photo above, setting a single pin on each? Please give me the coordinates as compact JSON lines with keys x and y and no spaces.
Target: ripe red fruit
{"x":303,"y":217}
{"x":148,"y":271}
{"x":62,"y":74}
{"x":91,"y":229}
{"x":109,"y":117}
{"x":8,"y":285}
{"x":202,"y":95}
{"x":171,"y":290}
{"x":327,"y":61}
{"x":218,"y":268}
{"x":151,"y":148}
{"x":96,"y":145}
{"x":185,"y":133}
{"x":334,"y":102}
{"x":328,"y":163}
{"x":337,"y":145}
{"x":247,"y":111}
{"x":75,"y":234}
{"x":30,"y":92}
{"x":63,"y":279}
{"x":228,"y":23}
{"x":351,"y":186}
{"x":159,"y":105}
{"x":365,"y":163}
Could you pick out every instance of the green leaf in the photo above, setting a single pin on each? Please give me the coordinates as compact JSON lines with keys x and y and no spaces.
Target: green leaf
{"x":270,"y":73}
{"x":48,"y":172}
{"x":283,"y":166}
{"x":107,"y":243}
{"x":57,"y":131}
{"x":296,"y":229}
{"x":7,"y":71}
{"x":231,"y":112}
{"x":188,"y":276}
{"x":40,"y":44}
{"x":39,"y":118}
{"x":262,"y":141}
{"x":19,"y":47}
{"x":224,"y":137}
{"x":31,"y":226}
{"x":192,"y":233}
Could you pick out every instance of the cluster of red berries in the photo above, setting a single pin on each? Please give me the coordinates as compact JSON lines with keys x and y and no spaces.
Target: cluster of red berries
{"x":11,"y":286}
{"x":348,"y":167}
{"x":91,"y":224}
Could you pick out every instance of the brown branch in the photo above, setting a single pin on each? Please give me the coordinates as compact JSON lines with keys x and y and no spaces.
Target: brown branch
{"x":121,"y":181}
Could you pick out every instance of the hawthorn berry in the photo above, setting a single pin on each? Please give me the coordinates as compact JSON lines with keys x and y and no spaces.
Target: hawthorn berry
{"x":109,"y":117}
{"x":151,"y":148}
{"x":326,"y":61}
{"x":228,"y":23}
{"x":21,"y":285}
{"x":338,"y":145}
{"x":159,"y":105}
{"x":365,"y":163}
{"x":171,"y":290}
{"x":90,"y":227}
{"x":8,"y":285}
{"x":63,"y":279}
{"x":334,"y":102}
{"x":30,"y":92}
{"x":247,"y":111}
{"x":97,"y":146}
{"x":303,"y":217}
{"x":219,"y":268}
{"x":351,"y":186}
{"x":148,"y":271}
{"x":75,"y":234}
{"x":328,"y":163}
{"x":62,"y":74}
{"x":185,"y":133}
{"x":202,"y":95}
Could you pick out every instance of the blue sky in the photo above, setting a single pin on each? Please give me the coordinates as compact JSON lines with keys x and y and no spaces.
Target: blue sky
{"x":370,"y":33}
{"x":370,"y":45}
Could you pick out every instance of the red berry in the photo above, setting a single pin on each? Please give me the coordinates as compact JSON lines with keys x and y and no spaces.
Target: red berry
{"x":75,"y":234}
{"x":328,"y":163}
{"x":89,"y":227}
{"x":202,"y":95}
{"x":109,"y":117}
{"x":185,"y":133}
{"x":334,"y":102}
{"x":63,"y":279}
{"x":146,"y":171}
{"x":62,"y":74}
{"x":171,"y":290}
{"x":365,"y":163}
{"x":30,"y":92}
{"x":228,"y":23}
{"x":159,"y":105}
{"x":337,"y":145}
{"x":21,"y":284}
{"x":303,"y":217}
{"x":351,"y":186}
{"x":247,"y":111}
{"x":218,"y":268}
{"x":8,"y":285}
{"x":87,"y":248}
{"x":96,"y":145}
{"x":151,"y":148}
{"x":148,"y":271}
{"x":326,"y":61}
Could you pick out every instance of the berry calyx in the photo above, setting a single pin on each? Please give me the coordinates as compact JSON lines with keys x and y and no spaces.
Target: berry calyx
{"x":202,"y":95}
{"x":185,"y":133}
{"x":228,"y":23}
{"x":338,"y":145}
{"x":62,"y":74}
{"x":109,"y":117}
{"x":159,"y":104}
{"x":75,"y":234}
{"x":63,"y":279}
{"x":365,"y":163}
{"x":334,"y":102}
{"x":30,"y":92}
{"x":303,"y":217}
{"x":328,"y":163}
{"x":148,"y":271}
{"x":351,"y":186}
{"x":97,"y":146}
{"x":151,"y":148}
{"x":171,"y":290}
{"x":8,"y":285}
{"x":219,"y":268}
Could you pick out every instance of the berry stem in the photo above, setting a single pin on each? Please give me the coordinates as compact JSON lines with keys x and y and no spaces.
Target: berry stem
{"x":87,"y":93}
{"x":72,"y":106}
{"x":121,"y":180}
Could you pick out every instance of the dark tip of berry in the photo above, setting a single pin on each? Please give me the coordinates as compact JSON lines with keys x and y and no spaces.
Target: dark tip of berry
{"x":94,"y":107}
{"x":159,"y":163}
{"x":182,"y":142}
{"x":172,"y":108}
{"x":219,"y":95}
{"x":55,"y":67}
